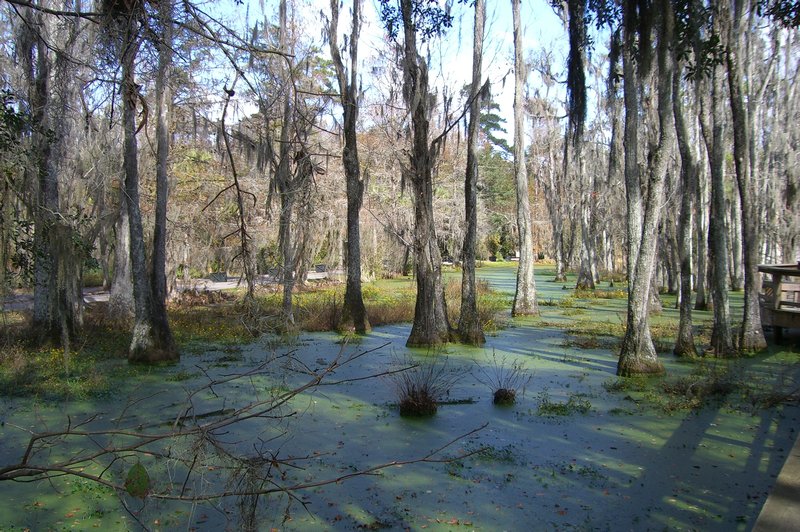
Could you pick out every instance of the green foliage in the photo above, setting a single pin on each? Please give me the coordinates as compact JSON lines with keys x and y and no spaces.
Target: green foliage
{"x":93,"y":277}
{"x":12,"y":126}
{"x":430,"y":20}
{"x":181,"y":376}
{"x":497,"y":183}
{"x":575,"y":404}
{"x":626,"y":384}
{"x":787,"y":12}
{"x":219,"y":324}
{"x":493,"y":244}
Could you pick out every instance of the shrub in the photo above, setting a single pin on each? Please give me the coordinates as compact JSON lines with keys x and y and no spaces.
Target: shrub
{"x":93,"y":277}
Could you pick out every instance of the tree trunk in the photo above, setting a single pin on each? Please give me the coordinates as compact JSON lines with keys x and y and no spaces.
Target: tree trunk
{"x":701,"y":238}
{"x":638,"y":355}
{"x":354,"y":313}
{"x":751,"y":335}
{"x":158,"y":280}
{"x":684,"y":343}
{"x":120,"y":299}
{"x":721,"y":337}
{"x":470,"y":329}
{"x":431,"y":326}
{"x":525,"y":295}
{"x":588,"y":268}
{"x":149,"y":344}
{"x":283,"y":179}
{"x":633,"y":185}
{"x":734,"y":219}
{"x":45,"y":267}
{"x":57,"y":294}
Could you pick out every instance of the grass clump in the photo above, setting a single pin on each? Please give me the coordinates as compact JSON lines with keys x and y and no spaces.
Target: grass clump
{"x":421,"y":386}
{"x":388,"y":301}
{"x":31,"y":369}
{"x":503,"y":379}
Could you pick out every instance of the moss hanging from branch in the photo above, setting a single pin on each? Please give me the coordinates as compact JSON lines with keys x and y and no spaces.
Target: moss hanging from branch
{"x":576,"y":75}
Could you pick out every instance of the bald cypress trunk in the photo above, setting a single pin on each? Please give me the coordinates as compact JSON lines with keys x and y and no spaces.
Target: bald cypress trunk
{"x":638,"y":355}
{"x":525,"y":295}
{"x":120,"y":299}
{"x":470,"y":329}
{"x":721,"y":335}
{"x":431,"y":326}
{"x":57,"y":294}
{"x":149,"y":344}
{"x":751,"y":335}
{"x":158,"y":279}
{"x":684,"y":343}
{"x":354,"y":313}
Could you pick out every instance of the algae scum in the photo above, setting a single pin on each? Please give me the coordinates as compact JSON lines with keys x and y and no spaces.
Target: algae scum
{"x":579,"y":449}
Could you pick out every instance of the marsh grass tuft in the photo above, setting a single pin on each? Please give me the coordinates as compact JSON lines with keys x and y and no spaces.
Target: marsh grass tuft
{"x":421,"y":386}
{"x":503,"y":378}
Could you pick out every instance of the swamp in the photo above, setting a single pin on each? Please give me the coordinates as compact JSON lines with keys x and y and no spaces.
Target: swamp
{"x":580,"y":448}
{"x":398,"y":264}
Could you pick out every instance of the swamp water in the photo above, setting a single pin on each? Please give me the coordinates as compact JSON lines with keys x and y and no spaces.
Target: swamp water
{"x":568,"y":455}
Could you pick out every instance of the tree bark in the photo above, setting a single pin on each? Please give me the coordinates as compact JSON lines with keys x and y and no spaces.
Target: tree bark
{"x":701,"y":237}
{"x":45,"y":319}
{"x":284,"y":181}
{"x":638,"y":355}
{"x":120,"y":299}
{"x":57,"y":290}
{"x":158,"y":279}
{"x":354,"y":313}
{"x":751,"y":335}
{"x":149,"y":344}
{"x":721,"y":336}
{"x":587,"y":272}
{"x":734,"y":219}
{"x":470,"y":329}
{"x":684,"y":343}
{"x":430,"y":326}
{"x":525,"y":295}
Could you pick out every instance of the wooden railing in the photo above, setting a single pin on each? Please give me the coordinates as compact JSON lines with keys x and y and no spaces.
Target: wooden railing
{"x":780,"y":297}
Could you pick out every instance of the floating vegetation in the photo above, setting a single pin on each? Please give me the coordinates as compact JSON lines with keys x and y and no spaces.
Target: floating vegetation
{"x":577,"y":403}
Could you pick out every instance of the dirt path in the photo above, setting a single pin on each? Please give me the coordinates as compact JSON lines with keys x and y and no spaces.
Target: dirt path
{"x":24,"y":301}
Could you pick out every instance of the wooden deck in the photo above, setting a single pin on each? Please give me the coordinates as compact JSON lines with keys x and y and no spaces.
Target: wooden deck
{"x":780,"y":297}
